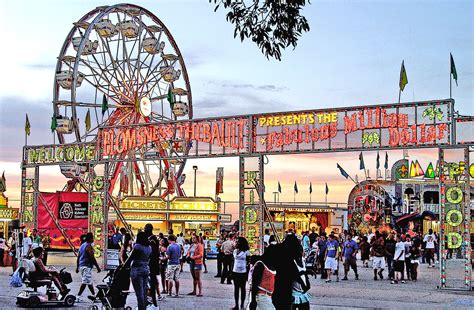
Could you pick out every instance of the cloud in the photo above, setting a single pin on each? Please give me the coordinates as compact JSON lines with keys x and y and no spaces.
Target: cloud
{"x":41,"y":66}
{"x":267,"y":87}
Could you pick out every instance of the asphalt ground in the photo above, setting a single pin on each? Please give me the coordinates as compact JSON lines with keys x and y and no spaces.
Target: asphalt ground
{"x":362,"y":294}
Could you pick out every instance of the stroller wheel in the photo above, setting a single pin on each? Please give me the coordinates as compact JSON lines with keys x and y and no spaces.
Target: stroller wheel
{"x":94,"y":307}
{"x":128,"y":308}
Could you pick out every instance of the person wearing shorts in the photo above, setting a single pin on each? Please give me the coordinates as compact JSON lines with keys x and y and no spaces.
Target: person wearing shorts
{"x":399,"y":260}
{"x":378,"y":257}
{"x":85,"y":262}
{"x":331,"y":256}
{"x":173,"y":253}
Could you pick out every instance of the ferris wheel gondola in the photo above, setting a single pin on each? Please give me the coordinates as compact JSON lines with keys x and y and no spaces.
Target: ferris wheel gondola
{"x":116,"y":68}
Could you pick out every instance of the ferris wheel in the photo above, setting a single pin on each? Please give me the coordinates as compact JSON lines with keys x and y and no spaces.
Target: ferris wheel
{"x":120,"y":66}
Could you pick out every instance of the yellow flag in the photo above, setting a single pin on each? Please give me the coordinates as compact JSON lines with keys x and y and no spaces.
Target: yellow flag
{"x":403,"y":77}
{"x":27,"y":126}
{"x":88,"y":120}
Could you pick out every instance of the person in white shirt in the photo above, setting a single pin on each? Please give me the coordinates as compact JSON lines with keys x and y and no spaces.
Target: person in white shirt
{"x":266,"y":238}
{"x":430,"y":240}
{"x":27,"y":245}
{"x":180,"y":240}
{"x":399,"y":260}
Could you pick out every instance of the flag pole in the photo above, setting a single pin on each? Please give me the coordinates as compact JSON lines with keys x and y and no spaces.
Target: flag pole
{"x":399,"y":94}
{"x":450,"y":82}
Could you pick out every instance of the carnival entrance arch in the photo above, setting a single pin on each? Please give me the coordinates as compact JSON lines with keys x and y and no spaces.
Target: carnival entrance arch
{"x":135,"y":128}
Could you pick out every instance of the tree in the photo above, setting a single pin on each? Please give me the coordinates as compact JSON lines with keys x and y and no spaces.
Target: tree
{"x":272,"y":24}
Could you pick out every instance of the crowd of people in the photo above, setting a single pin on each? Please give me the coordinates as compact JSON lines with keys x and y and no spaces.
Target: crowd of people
{"x":277,"y":279}
{"x":399,"y":254}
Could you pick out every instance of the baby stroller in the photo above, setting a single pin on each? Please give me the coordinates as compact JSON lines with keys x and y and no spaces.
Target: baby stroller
{"x":113,"y":294}
{"x":310,"y":262}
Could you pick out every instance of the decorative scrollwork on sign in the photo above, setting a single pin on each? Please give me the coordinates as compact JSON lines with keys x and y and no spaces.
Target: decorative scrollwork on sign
{"x":371,"y":138}
{"x":432,"y":113}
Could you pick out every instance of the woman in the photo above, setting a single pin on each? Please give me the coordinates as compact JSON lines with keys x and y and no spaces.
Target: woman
{"x":185,"y":250}
{"x":11,"y":245}
{"x":195,"y":256}
{"x":300,"y":285}
{"x":164,"y":264}
{"x":126,"y":248}
{"x":262,"y":280}
{"x":239,"y":272}
{"x":42,"y":272}
{"x":140,"y":271}
{"x":415,"y":254}
{"x":154,"y":269}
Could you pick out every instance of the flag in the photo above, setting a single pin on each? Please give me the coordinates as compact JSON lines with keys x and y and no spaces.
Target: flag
{"x":296,"y":188}
{"x":378,"y":160}
{"x":220,"y":180}
{"x":88,"y":120}
{"x":3,"y":183}
{"x":403,"y":77}
{"x":27,"y":126}
{"x":386,"y":161}
{"x":327,"y":188}
{"x":105,"y":105}
{"x":453,"y":69}
{"x":343,"y":172}
{"x":279,"y":187}
{"x":310,"y":188}
{"x":170,"y":98}
{"x":361,"y":162}
{"x":54,"y":123}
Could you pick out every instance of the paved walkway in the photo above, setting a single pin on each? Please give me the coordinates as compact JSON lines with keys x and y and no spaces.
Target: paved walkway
{"x":363,"y":294}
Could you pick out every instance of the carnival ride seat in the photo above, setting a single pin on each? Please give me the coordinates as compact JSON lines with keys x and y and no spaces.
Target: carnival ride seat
{"x":170,"y":74}
{"x":128,"y":29}
{"x":105,"y":28}
{"x":90,"y":47}
{"x":180,"y":108}
{"x":65,"y":79}
{"x":65,"y":125}
{"x":153,"y":46}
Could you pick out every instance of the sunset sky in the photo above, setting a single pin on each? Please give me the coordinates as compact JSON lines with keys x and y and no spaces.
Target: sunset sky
{"x":351,"y":56}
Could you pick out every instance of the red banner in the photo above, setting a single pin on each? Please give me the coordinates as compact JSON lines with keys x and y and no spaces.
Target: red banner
{"x":74,"y":228}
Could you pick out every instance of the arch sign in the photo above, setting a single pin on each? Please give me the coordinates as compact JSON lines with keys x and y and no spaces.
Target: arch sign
{"x":455,"y":220}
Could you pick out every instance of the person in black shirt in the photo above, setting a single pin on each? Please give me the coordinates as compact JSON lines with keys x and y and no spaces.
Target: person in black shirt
{"x":389,"y":252}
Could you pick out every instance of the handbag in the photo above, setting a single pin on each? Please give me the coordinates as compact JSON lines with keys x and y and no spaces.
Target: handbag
{"x":15,"y":280}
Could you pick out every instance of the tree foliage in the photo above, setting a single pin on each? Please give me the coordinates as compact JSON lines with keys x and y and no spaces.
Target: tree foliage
{"x":272,"y":24}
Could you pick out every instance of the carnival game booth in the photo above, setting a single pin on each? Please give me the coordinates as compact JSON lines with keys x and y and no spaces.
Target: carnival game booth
{"x":301,"y":218}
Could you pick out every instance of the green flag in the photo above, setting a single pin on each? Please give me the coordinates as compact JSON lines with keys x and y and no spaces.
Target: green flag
{"x":27,"y":126}
{"x":88,"y":120}
{"x":54,"y":123}
{"x":170,"y":98}
{"x":3,"y":183}
{"x":105,"y":105}
{"x":403,"y":77}
{"x":453,"y":69}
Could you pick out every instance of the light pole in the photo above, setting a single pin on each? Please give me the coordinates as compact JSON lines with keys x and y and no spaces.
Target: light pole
{"x":195,"y":168}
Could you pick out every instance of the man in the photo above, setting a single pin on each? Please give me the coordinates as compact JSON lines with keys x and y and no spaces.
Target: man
{"x":266,"y":238}
{"x":349,"y":252}
{"x":35,"y":240}
{"x":306,"y":244}
{"x":408,"y":244}
{"x":378,"y":257}
{"x":430,"y":240}
{"x":26,"y":245}
{"x":321,"y":254}
{"x":85,"y":262}
{"x":180,"y":240}
{"x":389,"y":253}
{"x":116,"y":239}
{"x":331,"y":256}
{"x":2,"y":249}
{"x":399,"y":260}
{"x":220,"y":255}
{"x":173,"y":253}
{"x":228,"y":249}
